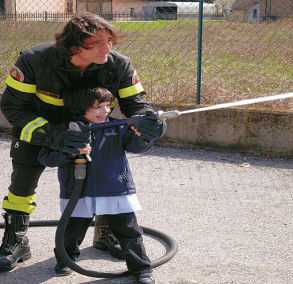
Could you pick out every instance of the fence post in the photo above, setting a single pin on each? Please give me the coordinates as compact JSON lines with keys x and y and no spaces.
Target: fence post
{"x":15,"y":11}
{"x":46,"y":16}
{"x":200,"y":23}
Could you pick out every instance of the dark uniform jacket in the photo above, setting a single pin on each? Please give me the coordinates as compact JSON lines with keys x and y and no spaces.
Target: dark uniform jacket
{"x":108,"y":174}
{"x":33,"y":102}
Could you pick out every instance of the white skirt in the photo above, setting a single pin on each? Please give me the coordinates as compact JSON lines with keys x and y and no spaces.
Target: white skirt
{"x":87,"y":207}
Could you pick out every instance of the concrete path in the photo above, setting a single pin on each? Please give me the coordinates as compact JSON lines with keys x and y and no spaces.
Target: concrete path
{"x":231,"y":215}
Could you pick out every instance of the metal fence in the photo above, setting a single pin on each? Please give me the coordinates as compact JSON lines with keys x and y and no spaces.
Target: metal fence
{"x":238,"y":49}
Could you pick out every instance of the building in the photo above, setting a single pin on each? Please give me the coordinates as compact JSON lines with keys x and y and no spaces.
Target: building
{"x":246,"y":11}
{"x":162,"y":10}
{"x":249,"y":11}
{"x":224,"y":6}
{"x":32,"y":6}
{"x":53,"y":9}
{"x":116,"y":10}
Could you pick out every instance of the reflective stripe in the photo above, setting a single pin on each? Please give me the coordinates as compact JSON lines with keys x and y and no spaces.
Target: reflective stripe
{"x":130,"y":91}
{"x":112,"y":104}
{"x":27,"y":208}
{"x":29,"y":88}
{"x":50,"y":100}
{"x":26,"y":133}
{"x":20,"y":86}
{"x":20,"y":199}
{"x":20,"y":203}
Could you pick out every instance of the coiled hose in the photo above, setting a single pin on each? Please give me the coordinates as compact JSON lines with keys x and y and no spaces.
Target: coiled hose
{"x":80,"y":171}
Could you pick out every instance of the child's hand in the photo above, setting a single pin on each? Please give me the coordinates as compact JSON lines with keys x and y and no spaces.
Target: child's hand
{"x":85,"y":150}
{"x":135,"y":130}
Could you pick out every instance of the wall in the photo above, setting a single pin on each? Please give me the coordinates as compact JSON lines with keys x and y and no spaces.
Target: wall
{"x":232,"y":129}
{"x":33,"y":6}
{"x":276,"y":7}
{"x":123,"y":7}
{"x":251,"y":18}
{"x":238,"y":16}
{"x":238,"y":130}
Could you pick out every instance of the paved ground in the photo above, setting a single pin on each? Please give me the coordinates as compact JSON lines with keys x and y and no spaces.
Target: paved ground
{"x":231,"y":215}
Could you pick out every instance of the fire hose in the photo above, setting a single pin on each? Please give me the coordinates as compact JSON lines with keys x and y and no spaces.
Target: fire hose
{"x":80,"y":173}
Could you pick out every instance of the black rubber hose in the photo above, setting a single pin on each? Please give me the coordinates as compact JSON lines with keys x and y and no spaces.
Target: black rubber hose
{"x":59,"y":240}
{"x":62,"y":224}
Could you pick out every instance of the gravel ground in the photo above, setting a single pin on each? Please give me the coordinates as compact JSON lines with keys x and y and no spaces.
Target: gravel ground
{"x":231,"y":215}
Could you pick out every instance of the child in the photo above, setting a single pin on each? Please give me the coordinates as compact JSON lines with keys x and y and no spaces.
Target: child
{"x":109,"y":189}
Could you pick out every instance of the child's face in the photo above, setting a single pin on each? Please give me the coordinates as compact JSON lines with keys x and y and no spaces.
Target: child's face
{"x":98,"y":112}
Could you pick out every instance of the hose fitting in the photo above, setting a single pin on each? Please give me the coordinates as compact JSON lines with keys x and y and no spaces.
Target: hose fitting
{"x":161,"y":115}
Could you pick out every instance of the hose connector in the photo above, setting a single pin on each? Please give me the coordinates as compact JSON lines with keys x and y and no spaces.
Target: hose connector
{"x":162,"y":115}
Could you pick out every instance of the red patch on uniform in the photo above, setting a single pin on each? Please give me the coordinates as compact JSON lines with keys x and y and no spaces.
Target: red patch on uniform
{"x":16,"y":74}
{"x":135,"y":78}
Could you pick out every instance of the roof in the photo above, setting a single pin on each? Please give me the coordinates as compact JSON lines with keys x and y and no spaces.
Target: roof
{"x":243,"y":4}
{"x":183,"y":7}
{"x":160,"y":4}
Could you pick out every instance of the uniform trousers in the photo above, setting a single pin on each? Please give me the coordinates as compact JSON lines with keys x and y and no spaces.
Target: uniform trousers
{"x":24,"y":178}
{"x":124,"y":227}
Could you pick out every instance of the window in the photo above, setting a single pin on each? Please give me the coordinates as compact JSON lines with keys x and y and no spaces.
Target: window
{"x":254,"y":13}
{"x":132,"y":11}
{"x":2,"y":6}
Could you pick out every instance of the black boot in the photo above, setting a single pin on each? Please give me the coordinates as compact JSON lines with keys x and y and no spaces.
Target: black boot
{"x":14,"y":246}
{"x":105,"y":240}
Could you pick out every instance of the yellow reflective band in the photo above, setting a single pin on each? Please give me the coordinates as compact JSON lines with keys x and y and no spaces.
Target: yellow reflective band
{"x":20,"y":86}
{"x":130,"y":91}
{"x":20,"y":199}
{"x":50,"y":100}
{"x":19,"y":203}
{"x":26,"y":133}
{"x":27,"y":208}
{"x":112,"y":104}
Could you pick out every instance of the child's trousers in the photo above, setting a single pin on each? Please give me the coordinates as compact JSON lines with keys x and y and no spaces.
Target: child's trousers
{"x":124,"y":227}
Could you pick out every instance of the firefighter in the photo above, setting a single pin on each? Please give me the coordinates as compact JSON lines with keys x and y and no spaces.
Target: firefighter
{"x":32,"y":102}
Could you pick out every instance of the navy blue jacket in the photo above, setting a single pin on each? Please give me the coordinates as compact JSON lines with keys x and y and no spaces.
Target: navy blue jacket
{"x":108,"y":174}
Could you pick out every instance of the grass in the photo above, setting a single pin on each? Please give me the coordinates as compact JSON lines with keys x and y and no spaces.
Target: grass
{"x":239,"y":61}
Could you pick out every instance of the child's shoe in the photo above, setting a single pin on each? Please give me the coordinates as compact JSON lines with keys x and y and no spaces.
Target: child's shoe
{"x":62,"y":269}
{"x":145,"y":278}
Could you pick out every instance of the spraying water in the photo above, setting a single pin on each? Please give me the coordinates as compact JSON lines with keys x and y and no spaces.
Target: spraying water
{"x":161,"y":115}
{"x":241,"y":103}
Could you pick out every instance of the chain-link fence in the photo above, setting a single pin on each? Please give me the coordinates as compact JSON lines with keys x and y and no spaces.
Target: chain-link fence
{"x":247,"y":45}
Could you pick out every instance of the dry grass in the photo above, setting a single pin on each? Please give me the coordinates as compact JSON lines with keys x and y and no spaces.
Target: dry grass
{"x":239,"y":61}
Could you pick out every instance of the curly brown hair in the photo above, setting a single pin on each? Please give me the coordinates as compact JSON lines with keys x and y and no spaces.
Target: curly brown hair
{"x":80,"y":27}
{"x":79,"y":97}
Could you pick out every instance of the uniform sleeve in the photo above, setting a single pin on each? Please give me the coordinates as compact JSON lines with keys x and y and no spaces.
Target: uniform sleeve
{"x":132,"y":143}
{"x":16,"y":103}
{"x":131,"y":94}
{"x":52,"y":158}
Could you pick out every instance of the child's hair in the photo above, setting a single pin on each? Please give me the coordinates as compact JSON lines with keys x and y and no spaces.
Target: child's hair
{"x":78,"y":98}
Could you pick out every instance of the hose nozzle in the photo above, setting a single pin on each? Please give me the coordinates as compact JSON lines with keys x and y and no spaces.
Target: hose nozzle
{"x":161,"y":115}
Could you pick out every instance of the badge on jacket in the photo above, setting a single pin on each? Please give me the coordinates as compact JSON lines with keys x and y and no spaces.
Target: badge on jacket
{"x":16,"y":74}
{"x":135,"y":78}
